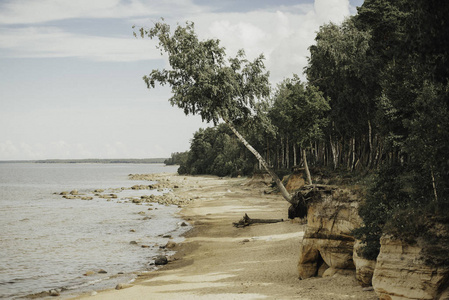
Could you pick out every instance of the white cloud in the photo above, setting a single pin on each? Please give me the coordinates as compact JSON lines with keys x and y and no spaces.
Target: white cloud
{"x":332,"y":10}
{"x":32,"y":11}
{"x":283,"y":36}
{"x":54,"y":42}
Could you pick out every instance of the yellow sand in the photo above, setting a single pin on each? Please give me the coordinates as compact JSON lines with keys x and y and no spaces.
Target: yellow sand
{"x":219,"y":261}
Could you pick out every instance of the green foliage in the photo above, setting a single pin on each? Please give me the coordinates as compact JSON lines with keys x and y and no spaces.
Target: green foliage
{"x":298,"y":110}
{"x":177,"y":158}
{"x":216,"y":151}
{"x":413,"y":116}
{"x":385,"y":197}
{"x":202,"y":79}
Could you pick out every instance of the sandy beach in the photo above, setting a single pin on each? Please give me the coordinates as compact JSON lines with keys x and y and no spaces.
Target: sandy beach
{"x":220,"y":261}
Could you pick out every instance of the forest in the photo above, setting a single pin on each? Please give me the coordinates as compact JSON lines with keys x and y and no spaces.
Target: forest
{"x":375,"y":103}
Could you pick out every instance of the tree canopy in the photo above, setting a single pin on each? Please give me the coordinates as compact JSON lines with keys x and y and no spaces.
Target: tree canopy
{"x":203,"y":80}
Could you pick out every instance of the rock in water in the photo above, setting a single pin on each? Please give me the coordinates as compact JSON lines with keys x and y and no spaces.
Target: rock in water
{"x":54,"y":293}
{"x":161,"y":260}
{"x":170,"y":244}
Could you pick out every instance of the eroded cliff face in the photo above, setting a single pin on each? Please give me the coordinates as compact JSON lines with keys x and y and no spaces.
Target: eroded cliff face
{"x":401,"y":273}
{"x":328,"y":245}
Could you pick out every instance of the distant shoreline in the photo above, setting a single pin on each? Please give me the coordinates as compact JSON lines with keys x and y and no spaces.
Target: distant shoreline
{"x":92,"y":161}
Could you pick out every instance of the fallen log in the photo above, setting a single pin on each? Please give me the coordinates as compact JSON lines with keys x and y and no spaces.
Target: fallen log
{"x":246,"y":221}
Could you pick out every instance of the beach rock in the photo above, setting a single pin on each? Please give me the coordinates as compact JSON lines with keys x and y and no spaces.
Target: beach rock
{"x":89,"y":273}
{"x":184,"y":224}
{"x":133,"y":243}
{"x":160,"y":260}
{"x":98,"y":191}
{"x":63,"y":193}
{"x":122,"y":286}
{"x":402,"y":274}
{"x":54,"y":293}
{"x":101,"y":271}
{"x":332,"y":214}
{"x":74,"y":192}
{"x":170,"y":245}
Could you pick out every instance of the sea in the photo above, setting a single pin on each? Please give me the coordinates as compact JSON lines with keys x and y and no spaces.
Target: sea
{"x":78,"y":246}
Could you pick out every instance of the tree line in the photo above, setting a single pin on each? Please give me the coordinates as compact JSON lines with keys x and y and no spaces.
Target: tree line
{"x":376,"y":100}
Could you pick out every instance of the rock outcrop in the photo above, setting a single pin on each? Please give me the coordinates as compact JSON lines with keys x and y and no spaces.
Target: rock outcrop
{"x":328,"y":247}
{"x":401,"y":273}
{"x":332,"y":214}
{"x":364,"y":267}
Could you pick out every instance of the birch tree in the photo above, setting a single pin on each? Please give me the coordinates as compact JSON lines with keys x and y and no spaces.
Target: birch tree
{"x":205,"y":82}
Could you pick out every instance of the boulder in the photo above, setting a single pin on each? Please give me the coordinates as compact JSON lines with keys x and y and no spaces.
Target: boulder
{"x":401,"y":273}
{"x":74,"y":192}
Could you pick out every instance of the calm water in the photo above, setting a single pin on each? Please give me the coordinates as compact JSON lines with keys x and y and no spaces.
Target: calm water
{"x":47,"y":242}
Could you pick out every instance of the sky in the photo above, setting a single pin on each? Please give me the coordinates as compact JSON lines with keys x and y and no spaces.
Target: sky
{"x":71,"y":71}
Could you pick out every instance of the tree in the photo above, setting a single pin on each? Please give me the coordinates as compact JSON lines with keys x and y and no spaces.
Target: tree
{"x":203,"y":81}
{"x":301,"y":109}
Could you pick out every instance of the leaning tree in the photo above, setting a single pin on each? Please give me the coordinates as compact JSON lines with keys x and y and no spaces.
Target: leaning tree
{"x":204,"y":81}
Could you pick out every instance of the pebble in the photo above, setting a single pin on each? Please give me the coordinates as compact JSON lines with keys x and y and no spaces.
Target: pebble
{"x":89,"y":273}
{"x":160,"y":260}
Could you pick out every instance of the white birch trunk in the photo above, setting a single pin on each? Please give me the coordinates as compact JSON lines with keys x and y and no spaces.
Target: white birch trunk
{"x":273,"y":175}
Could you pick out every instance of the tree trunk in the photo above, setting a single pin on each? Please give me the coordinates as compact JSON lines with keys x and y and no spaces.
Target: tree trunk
{"x":306,"y":166}
{"x":294,"y":154}
{"x":273,"y":175}
{"x":370,"y":141}
{"x":334,"y":152}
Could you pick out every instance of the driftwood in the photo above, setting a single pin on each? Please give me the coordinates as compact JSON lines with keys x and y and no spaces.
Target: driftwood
{"x":246,"y":221}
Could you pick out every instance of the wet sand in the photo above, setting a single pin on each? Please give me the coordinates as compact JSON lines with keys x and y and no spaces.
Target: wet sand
{"x":220,"y":261}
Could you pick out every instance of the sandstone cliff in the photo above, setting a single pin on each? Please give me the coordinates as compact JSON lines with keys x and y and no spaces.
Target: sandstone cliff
{"x":328,"y":247}
{"x":401,"y":273}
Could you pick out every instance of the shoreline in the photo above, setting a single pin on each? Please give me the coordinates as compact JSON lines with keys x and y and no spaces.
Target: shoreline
{"x":218,"y":260}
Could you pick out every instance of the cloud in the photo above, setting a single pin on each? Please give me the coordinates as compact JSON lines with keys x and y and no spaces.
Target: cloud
{"x":54,"y":42}
{"x":32,"y":11}
{"x":283,"y":35}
